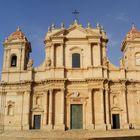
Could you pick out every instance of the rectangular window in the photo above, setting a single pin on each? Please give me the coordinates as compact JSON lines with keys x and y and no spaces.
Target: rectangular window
{"x":75,"y":60}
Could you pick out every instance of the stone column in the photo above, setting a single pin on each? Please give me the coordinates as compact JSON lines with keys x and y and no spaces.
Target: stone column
{"x":50,"y":123}
{"x":90,"y":108}
{"x":45,"y":108}
{"x":90,"y":52}
{"x":107,"y":108}
{"x":125,"y":112}
{"x":102,"y":104}
{"x":101,"y":125}
{"x":5,"y":59}
{"x":61,"y":125}
{"x":99,"y":54}
{"x":2,"y":110}
{"x":62,"y":105}
{"x":62,"y":55}
{"x":26,"y":110}
{"x":52,"y":55}
{"x":8,"y":60}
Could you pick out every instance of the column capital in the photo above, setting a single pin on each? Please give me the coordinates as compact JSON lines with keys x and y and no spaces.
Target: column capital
{"x":123,"y":88}
{"x":101,"y":89}
{"x":62,"y":89}
{"x":27,"y":92}
{"x":46,"y":90}
{"x":62,"y":43}
{"x":20,"y":93}
{"x":107,"y":89}
{"x":90,"y":89}
{"x":51,"y":90}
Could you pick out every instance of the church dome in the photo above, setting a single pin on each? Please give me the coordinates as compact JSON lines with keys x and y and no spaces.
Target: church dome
{"x":134,"y":31}
{"x":17,"y":35}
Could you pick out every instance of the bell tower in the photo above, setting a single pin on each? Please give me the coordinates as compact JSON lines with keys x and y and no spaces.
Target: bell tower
{"x":131,"y":49}
{"x":16,"y":53}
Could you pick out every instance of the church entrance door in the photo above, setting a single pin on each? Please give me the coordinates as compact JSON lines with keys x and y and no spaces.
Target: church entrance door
{"x":116,"y":121}
{"x":76,"y":116}
{"x":37,"y":121}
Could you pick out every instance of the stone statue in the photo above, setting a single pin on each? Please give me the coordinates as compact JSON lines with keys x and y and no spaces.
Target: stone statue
{"x":105,"y":61}
{"x":48,"y":62}
{"x":121,"y":63}
{"x":30,"y":63}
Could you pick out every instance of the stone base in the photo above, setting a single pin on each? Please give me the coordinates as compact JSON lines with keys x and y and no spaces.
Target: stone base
{"x":100,"y":126}
{"x":126,"y":126}
{"x":25,"y":127}
{"x":48,"y":127}
{"x":135,"y":126}
{"x":13,"y":127}
{"x":90,"y":127}
{"x":108,"y":126}
{"x":59,"y":127}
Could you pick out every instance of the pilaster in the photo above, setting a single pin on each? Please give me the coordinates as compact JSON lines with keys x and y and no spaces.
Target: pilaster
{"x":90,"y":124}
{"x":90,"y":54}
{"x":62,"y":55}
{"x":26,"y":110}
{"x":61,"y":126}
{"x":45,"y":116}
{"x":50,"y":123}
{"x":101,"y":125}
{"x":125,"y":124}
{"x":52,"y":55}
{"x":108,"y":123}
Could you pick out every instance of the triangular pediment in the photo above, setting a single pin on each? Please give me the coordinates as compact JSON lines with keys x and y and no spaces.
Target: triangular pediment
{"x":74,"y":31}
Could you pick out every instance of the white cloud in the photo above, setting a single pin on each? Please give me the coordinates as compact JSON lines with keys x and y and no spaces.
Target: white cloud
{"x":112,"y":42}
{"x":122,"y":17}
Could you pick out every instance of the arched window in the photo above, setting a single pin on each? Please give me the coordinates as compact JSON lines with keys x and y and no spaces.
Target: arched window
{"x":13,"y":61}
{"x":75,"y":60}
{"x":10,"y":110}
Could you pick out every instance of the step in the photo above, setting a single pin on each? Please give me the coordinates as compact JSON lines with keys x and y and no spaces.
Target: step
{"x":71,"y":135}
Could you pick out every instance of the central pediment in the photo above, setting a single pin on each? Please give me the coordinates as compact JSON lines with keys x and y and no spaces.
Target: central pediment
{"x":75,"y":31}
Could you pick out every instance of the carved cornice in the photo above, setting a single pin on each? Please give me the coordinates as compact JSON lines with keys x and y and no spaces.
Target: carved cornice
{"x":3,"y":93}
{"x":16,"y":83}
{"x":95,"y":79}
{"x":77,"y":81}
{"x":48,"y":81}
{"x":20,"y":92}
{"x":16,"y":43}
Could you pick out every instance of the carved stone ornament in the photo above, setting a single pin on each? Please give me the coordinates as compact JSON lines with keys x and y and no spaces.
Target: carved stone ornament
{"x":30,"y":63}
{"x":48,"y":62}
{"x":105,"y":61}
{"x":121,"y":63}
{"x":75,"y":94}
{"x":10,"y":103}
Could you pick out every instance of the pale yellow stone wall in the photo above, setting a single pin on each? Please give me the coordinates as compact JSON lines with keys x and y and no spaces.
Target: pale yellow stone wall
{"x":50,"y":89}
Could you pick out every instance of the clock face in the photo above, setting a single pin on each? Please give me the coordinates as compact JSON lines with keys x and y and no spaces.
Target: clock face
{"x":138,"y":61}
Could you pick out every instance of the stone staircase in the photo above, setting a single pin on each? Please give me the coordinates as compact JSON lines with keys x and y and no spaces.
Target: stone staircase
{"x":71,"y":135}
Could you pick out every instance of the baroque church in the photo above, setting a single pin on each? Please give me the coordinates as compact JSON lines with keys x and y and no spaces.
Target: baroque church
{"x":76,"y":87}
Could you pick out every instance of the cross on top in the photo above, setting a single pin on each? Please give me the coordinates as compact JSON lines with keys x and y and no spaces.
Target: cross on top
{"x":75,"y":13}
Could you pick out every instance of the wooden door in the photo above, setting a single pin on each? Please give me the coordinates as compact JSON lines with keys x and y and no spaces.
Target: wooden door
{"x":76,"y":116}
{"x":37,"y":121}
{"x":116,"y":121}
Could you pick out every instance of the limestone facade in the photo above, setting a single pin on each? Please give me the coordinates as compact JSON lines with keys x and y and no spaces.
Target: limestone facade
{"x":76,"y":87}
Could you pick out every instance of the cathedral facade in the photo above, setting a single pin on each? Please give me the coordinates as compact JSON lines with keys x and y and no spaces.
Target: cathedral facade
{"x":76,"y":87}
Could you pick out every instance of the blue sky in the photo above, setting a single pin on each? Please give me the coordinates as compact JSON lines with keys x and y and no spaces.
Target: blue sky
{"x":34,"y":17}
